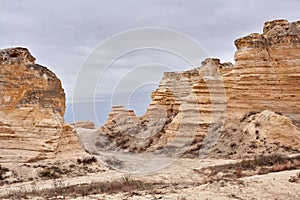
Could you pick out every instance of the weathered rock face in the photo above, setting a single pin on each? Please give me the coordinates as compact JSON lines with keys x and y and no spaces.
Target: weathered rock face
{"x":32,"y":106}
{"x":266,"y":72}
{"x":184,"y":108}
{"x":85,"y":124}
{"x":190,"y":107}
{"x":265,"y":132}
{"x":266,"y":76}
{"x":29,"y":89}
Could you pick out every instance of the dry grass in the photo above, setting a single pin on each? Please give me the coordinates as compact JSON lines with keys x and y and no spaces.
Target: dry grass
{"x":259,"y":165}
{"x":51,"y":173}
{"x":127,"y":184}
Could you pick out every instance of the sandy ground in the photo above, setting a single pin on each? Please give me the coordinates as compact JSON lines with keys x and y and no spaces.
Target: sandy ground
{"x":182,"y":170}
{"x":187,"y":183}
{"x":273,"y":186}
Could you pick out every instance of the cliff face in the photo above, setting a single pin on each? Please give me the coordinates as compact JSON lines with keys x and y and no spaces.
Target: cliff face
{"x":264,"y":80}
{"x":197,"y":106}
{"x":32,"y":106}
{"x":184,"y":108}
{"x":29,"y":89}
{"x":266,"y":72}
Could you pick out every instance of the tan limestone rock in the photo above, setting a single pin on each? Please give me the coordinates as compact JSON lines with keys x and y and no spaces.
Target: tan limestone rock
{"x":32,"y":106}
{"x":191,"y":107}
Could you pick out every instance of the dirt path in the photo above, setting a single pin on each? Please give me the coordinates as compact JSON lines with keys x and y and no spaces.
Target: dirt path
{"x":181,"y":170}
{"x":183,"y":176}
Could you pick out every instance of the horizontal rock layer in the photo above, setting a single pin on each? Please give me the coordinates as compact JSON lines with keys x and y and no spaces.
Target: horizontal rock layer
{"x":190,"y":110}
{"x":32,"y":106}
{"x":266,"y":72}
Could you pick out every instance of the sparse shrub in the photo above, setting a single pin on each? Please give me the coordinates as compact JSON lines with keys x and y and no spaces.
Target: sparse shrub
{"x":269,"y":160}
{"x":248,"y":164}
{"x":127,"y":179}
{"x":53,"y":172}
{"x":87,"y":160}
{"x":3,"y":170}
{"x":295,"y":179}
{"x":262,"y":170}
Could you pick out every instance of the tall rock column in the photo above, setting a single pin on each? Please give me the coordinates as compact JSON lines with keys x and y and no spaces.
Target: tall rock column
{"x":266,"y":72}
{"x":32,"y":106}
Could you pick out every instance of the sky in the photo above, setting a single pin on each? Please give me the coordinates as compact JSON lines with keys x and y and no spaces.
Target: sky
{"x":71,"y":36}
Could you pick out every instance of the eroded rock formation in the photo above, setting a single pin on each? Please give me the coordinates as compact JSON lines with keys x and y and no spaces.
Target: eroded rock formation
{"x":184,"y":108}
{"x":265,"y":77}
{"x":85,"y":124}
{"x":197,"y":106}
{"x":266,"y":72}
{"x":32,"y":106}
{"x":259,"y":133}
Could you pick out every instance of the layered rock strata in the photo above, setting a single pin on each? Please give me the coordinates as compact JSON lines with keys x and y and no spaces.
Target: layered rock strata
{"x":32,"y":106}
{"x":185,"y":107}
{"x":191,"y":107}
{"x":266,"y":71}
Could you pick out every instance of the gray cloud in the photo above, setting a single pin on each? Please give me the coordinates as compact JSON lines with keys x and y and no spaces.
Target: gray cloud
{"x":61,"y":34}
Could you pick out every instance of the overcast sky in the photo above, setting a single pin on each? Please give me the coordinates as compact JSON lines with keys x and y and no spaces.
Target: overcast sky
{"x":62,"y":35}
